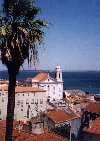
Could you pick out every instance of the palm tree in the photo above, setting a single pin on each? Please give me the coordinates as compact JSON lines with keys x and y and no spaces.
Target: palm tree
{"x":20,"y":35}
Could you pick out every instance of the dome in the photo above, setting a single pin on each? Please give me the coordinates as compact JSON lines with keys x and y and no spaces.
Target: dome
{"x":57,"y":68}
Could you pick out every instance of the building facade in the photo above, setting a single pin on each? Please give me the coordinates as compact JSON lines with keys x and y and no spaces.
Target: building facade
{"x":29,"y":102}
{"x":53,"y":86}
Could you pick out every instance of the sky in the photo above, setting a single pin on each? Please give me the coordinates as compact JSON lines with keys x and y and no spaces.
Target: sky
{"x":72,"y":39}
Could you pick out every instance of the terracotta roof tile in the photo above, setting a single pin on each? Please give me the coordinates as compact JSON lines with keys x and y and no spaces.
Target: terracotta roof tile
{"x":95,"y":128}
{"x":46,"y":137}
{"x":60,"y":115}
{"x":77,"y":99}
{"x":41,"y":76}
{"x":4,"y":88}
{"x":29,"y":89}
{"x":25,"y":136}
{"x":24,"y":89}
{"x":93,"y":107}
{"x":74,"y":91}
{"x":4,"y":82}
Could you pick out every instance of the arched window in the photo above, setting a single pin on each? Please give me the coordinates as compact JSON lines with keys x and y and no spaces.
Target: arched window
{"x":59,"y":75}
{"x":53,"y":90}
{"x":48,"y":88}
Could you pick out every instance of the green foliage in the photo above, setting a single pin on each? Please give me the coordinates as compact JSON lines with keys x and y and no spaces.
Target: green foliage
{"x":20,"y":33}
{"x":62,"y":130}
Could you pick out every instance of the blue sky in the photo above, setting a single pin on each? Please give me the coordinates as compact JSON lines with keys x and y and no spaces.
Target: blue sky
{"x":73,"y":39}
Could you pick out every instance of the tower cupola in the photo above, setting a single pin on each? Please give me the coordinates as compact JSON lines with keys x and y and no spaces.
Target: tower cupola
{"x":58,"y":73}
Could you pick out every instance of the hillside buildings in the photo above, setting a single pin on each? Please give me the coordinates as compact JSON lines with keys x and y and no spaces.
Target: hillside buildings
{"x":53,"y":86}
{"x":21,"y":135}
{"x":59,"y":117}
{"x":92,"y":132}
{"x":91,"y":122}
{"x":29,"y":102}
{"x":41,"y":103}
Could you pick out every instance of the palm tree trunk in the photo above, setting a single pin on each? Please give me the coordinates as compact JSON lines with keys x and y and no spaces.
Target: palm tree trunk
{"x":11,"y":104}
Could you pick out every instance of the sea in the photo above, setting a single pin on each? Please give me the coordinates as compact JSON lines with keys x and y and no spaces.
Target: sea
{"x":88,"y":81}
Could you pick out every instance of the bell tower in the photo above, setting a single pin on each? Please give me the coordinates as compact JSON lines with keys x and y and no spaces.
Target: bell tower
{"x":58,"y":73}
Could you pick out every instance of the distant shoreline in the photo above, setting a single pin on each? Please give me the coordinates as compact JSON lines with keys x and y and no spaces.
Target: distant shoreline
{"x":62,"y":70}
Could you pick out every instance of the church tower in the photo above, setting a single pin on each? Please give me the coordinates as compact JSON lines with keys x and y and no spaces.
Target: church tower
{"x":58,"y":74}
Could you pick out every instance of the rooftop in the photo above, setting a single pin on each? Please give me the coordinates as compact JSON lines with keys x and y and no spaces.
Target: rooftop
{"x":22,"y":135}
{"x":76,"y":99}
{"x":93,"y":107}
{"x":94,"y":128}
{"x":24,"y":89}
{"x":39,"y":77}
{"x":60,"y":115}
{"x":4,"y":82}
{"x":74,"y":91}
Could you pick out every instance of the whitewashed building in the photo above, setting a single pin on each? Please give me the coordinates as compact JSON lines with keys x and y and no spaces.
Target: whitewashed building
{"x":3,"y":101}
{"x":53,"y":86}
{"x":75,"y":92}
{"x":58,"y":117}
{"x":29,"y":102}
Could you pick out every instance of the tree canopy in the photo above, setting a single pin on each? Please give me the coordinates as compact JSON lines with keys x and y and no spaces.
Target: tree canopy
{"x":20,"y":32}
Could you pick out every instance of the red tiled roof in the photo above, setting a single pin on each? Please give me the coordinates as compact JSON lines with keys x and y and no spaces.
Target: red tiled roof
{"x":4,"y":82}
{"x":3,"y":123}
{"x":78,"y":99}
{"x":95,"y":128}
{"x":25,"y":136}
{"x":93,"y":107}
{"x":24,"y":89}
{"x":41,"y":76}
{"x":4,"y":88}
{"x":29,"y":79}
{"x":29,"y":89}
{"x":60,"y":115}
{"x":46,"y":137}
{"x":73,"y":91}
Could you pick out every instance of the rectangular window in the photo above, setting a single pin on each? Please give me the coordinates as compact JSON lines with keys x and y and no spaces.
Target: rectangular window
{"x":21,"y":109}
{"x":53,"y":90}
{"x":36,"y":101}
{"x":18,"y":102}
{"x":32,"y":102}
{"x":27,"y":101}
{"x":21,"y":101}
{"x":2,"y":100}
{"x":48,"y":88}
{"x":41,"y":101}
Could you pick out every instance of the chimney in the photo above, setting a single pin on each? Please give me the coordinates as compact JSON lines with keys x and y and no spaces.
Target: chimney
{"x":46,"y":130}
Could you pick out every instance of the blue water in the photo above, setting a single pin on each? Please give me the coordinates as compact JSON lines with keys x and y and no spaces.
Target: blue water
{"x":86,"y":81}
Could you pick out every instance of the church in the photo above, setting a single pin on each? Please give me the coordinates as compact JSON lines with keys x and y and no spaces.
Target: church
{"x":53,"y":86}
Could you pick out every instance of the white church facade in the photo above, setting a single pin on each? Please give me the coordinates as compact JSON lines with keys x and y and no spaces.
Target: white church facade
{"x":53,"y":86}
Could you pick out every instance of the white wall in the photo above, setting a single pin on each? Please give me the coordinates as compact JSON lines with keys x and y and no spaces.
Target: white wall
{"x":33,"y":103}
{"x":53,"y":89}
{"x":75,"y":125}
{"x":22,"y":108}
{"x":3,"y":104}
